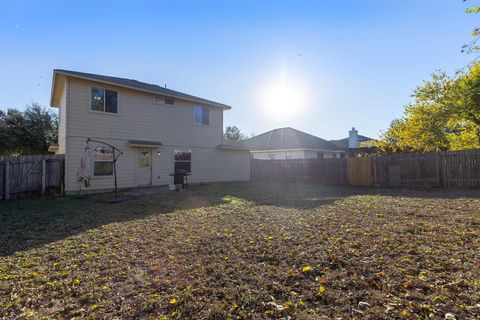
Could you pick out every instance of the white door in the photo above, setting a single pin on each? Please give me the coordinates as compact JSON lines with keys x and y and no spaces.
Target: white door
{"x":144,"y":167}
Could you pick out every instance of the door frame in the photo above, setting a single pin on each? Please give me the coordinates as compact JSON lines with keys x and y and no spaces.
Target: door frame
{"x":137,"y":167}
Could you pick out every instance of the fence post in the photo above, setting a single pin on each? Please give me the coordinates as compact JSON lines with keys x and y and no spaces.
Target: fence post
{"x":62,"y":176}
{"x":441,"y":170}
{"x":44,"y":175}
{"x":7,"y":180}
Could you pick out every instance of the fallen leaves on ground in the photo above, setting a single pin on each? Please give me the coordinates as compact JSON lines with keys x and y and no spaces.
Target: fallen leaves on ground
{"x":245,"y":251}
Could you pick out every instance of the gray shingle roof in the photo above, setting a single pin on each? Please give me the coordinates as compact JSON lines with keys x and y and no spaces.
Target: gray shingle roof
{"x":134,"y":84}
{"x":233,"y":145}
{"x":344,"y":142}
{"x":288,"y":138}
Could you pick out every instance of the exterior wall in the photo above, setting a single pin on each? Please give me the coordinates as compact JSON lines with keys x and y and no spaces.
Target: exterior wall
{"x":62,"y":126}
{"x":279,"y":155}
{"x":208,"y":165}
{"x":139,"y":118}
{"x":326,"y":155}
{"x":294,"y":154}
{"x":311,"y":154}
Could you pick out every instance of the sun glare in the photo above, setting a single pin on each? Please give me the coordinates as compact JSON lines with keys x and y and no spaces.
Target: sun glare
{"x":284,"y":97}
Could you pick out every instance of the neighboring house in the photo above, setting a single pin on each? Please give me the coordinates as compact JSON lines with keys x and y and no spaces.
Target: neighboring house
{"x":353,"y":141}
{"x":289,"y":143}
{"x":157,"y":129}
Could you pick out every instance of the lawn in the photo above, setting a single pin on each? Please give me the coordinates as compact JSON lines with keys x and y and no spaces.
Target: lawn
{"x":244,"y":251}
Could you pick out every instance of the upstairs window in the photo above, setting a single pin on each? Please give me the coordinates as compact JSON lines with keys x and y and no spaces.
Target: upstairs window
{"x":201,"y":116}
{"x":104,"y":100}
{"x":102,"y":161}
{"x":163,"y":100}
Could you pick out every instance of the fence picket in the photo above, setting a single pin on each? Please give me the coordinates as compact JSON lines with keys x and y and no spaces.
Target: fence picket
{"x":435,"y":169}
{"x":27,"y":176}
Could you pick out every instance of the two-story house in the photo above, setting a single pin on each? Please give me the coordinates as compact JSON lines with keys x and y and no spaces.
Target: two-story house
{"x":158,"y":130}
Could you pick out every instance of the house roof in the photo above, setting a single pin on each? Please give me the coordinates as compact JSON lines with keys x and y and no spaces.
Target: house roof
{"x":233,"y":145}
{"x":344,"y":142}
{"x":136,"y":85}
{"x":289,"y":138}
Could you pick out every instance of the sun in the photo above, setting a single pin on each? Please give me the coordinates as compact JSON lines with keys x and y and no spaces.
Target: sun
{"x":284,"y":97}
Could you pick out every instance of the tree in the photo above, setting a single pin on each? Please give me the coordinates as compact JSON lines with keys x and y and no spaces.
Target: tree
{"x":445,"y":115}
{"x":233,"y":133}
{"x":473,"y":46}
{"x":464,"y":99}
{"x":29,"y":132}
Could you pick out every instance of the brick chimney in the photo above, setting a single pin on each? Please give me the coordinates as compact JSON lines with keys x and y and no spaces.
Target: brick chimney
{"x":353,"y":138}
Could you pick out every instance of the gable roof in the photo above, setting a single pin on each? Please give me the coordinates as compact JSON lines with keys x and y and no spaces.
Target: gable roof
{"x":289,"y":138}
{"x":344,"y":142}
{"x":136,"y":85}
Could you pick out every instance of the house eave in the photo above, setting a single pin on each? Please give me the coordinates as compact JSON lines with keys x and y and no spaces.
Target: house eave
{"x":66,"y":74}
{"x":53,"y":148}
{"x":58,"y":83}
{"x":144,"y":144}
{"x":295,"y":149}
{"x":227,"y":147}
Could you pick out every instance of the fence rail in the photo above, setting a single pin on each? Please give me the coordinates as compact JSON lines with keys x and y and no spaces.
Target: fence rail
{"x":436,"y":169}
{"x":327,"y":171}
{"x":28,"y":176}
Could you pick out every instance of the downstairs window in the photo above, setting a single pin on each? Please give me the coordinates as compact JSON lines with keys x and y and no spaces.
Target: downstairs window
{"x":102,"y":161}
{"x":182,"y":161}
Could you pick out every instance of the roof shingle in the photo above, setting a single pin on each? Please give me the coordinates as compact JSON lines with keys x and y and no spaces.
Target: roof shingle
{"x":289,"y":138}
{"x":134,"y":84}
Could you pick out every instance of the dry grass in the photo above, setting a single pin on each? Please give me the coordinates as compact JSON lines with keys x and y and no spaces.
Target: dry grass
{"x":244,"y":251}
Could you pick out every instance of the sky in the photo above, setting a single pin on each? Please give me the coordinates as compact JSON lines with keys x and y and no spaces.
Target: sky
{"x":318,"y":66}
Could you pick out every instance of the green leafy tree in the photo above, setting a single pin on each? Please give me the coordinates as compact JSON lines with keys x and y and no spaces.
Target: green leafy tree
{"x":233,"y":133}
{"x":473,"y":46}
{"x":29,"y":132}
{"x":445,"y":115}
{"x":464,"y":97}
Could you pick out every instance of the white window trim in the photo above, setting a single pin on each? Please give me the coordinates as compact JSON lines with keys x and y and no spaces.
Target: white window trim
{"x":191,"y":158}
{"x":163,"y":103}
{"x":201,"y":124}
{"x":104,"y":101}
{"x":93,"y":164}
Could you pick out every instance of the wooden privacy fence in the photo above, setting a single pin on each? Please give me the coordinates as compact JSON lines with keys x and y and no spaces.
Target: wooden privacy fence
{"x":436,"y":169}
{"x":327,"y":171}
{"x":28,"y":176}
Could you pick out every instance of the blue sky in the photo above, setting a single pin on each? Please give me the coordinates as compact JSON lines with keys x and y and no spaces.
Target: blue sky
{"x":343,"y":63}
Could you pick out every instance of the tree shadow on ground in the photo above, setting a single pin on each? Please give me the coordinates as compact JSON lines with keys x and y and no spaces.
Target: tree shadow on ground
{"x":26,"y":224}
{"x":301,"y":195}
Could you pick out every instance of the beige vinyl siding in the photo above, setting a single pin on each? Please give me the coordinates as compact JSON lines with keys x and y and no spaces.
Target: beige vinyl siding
{"x":62,"y":116}
{"x":208,"y":165}
{"x":294,"y":154}
{"x":279,"y":155}
{"x":139,"y":118}
{"x":326,"y":154}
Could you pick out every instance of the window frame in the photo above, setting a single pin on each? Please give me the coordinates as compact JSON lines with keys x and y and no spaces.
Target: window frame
{"x":104,"y":101}
{"x":183,"y":161}
{"x":163,"y":101}
{"x":93,"y":160}
{"x":202,"y":108}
